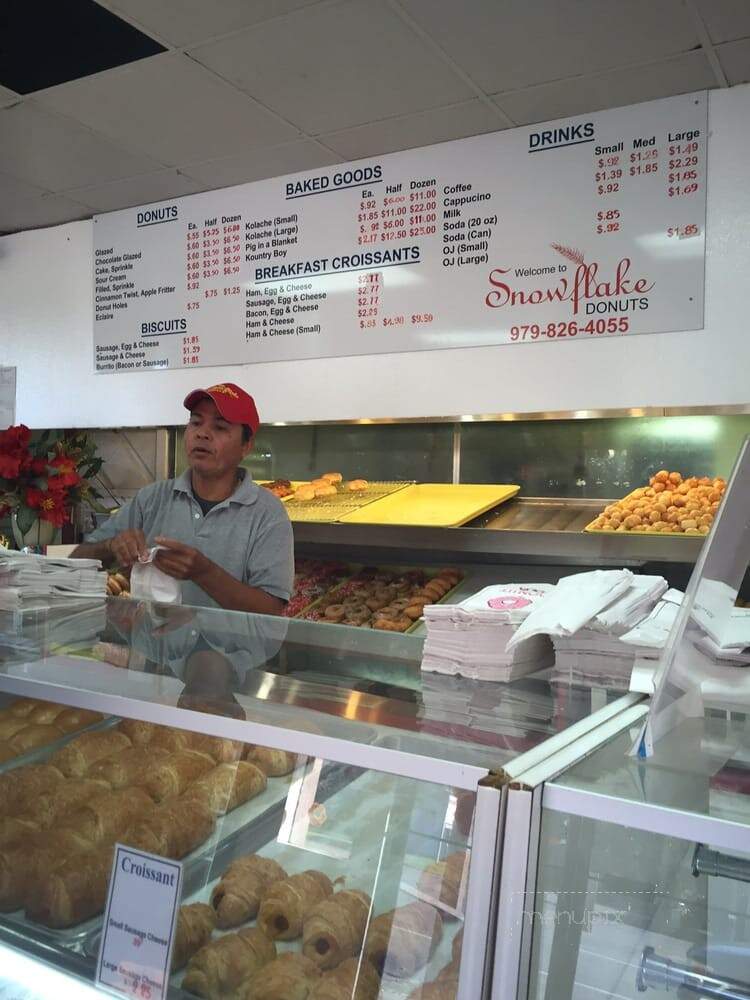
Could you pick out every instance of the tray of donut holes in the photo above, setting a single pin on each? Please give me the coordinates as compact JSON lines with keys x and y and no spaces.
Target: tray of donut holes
{"x":669,"y":505}
{"x":329,"y":497}
{"x":388,"y":599}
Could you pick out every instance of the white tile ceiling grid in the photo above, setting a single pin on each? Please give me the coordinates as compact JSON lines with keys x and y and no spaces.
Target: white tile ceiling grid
{"x":250,"y":89}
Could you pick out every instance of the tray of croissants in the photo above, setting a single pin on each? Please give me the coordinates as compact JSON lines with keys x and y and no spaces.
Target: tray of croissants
{"x":173,"y":792}
{"x":270,"y":928}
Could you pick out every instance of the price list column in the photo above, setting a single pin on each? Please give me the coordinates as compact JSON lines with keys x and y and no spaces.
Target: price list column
{"x":212,"y":271}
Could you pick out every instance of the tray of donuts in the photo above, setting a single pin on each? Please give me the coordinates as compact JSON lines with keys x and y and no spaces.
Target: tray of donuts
{"x":175,"y":793}
{"x":328,"y":498}
{"x":390,"y":599}
{"x":273,"y":927}
{"x":31,"y":730}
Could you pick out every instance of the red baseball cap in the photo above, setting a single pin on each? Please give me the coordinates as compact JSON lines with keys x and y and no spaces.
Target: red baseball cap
{"x":233,"y":403}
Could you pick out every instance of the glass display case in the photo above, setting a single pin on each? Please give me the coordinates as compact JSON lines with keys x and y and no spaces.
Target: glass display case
{"x":313,"y":783}
{"x":642,"y":882}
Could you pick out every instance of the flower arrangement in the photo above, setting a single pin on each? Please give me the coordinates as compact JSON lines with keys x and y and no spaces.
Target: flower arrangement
{"x":45,"y":478}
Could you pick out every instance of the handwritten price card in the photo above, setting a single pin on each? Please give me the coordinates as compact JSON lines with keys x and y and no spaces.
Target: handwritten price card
{"x":571,"y":230}
{"x":139,"y":924}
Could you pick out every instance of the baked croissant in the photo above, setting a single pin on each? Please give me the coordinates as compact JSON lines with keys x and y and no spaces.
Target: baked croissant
{"x":273,"y":763}
{"x":14,"y":830}
{"x":74,"y":891}
{"x":33,"y":736}
{"x":76,"y":758}
{"x":11,"y":725}
{"x":237,"y":897}
{"x":171,"y":739}
{"x":108,"y":815}
{"x":403,"y":940}
{"x":22,"y":785}
{"x":45,"y":713}
{"x":195,"y":924}
{"x":288,"y":977}
{"x":219,"y":967}
{"x":172,"y":830}
{"x":334,"y":929}
{"x":287,"y":903}
{"x":354,"y":979}
{"x":441,"y":880}
{"x":76,"y":718}
{"x":222,"y":750}
{"x":45,"y":809}
{"x":440,"y":989}
{"x":23,"y":706}
{"x":121,"y":769}
{"x":171,"y":775}
{"x":228,"y":786}
{"x":139,"y":733}
{"x":22,"y":867}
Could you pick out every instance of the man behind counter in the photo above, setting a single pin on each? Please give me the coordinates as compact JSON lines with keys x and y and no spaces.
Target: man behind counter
{"x":228,"y":540}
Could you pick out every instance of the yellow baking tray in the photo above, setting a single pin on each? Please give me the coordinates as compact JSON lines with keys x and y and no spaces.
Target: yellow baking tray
{"x":631,"y":531}
{"x":436,"y":505}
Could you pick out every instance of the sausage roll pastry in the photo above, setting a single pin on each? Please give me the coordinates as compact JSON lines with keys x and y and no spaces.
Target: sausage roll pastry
{"x":288,"y":977}
{"x":219,"y":967}
{"x":237,"y":897}
{"x":335,"y":928}
{"x":286,"y":904}
{"x":403,"y":940}
{"x":195,"y":924}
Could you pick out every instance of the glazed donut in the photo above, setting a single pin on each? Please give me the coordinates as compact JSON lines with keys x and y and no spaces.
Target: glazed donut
{"x":332,"y":477}
{"x":325,"y":491}
{"x":395,"y":625}
{"x":414,"y":612}
{"x":335,"y":612}
{"x":319,"y":482}
{"x":355,"y":485}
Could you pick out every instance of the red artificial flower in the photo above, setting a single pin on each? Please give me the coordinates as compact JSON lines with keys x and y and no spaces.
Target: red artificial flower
{"x":64,"y":472}
{"x":10,"y":466}
{"x":15,"y":439}
{"x":49,"y":504}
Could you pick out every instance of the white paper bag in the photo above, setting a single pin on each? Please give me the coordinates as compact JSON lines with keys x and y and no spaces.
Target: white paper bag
{"x":149,"y":583}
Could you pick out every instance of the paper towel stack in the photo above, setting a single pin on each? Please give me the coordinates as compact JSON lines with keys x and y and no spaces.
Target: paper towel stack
{"x":470,"y":638}
{"x":26,"y":577}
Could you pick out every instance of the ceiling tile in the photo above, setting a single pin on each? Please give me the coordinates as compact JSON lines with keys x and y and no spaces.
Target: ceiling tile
{"x":335,"y":66}
{"x":517,"y":43}
{"x":186,"y":22}
{"x":608,"y":90}
{"x":725,"y":19}
{"x":137,"y":190}
{"x":410,"y":131}
{"x":8,"y":97}
{"x":13,"y":189}
{"x":735,"y":60}
{"x":169,"y":108}
{"x":56,"y":153}
{"x":33,"y":213}
{"x":291,"y":158}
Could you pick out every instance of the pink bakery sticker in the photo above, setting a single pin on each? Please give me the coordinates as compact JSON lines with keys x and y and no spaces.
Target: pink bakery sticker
{"x":508,"y":603}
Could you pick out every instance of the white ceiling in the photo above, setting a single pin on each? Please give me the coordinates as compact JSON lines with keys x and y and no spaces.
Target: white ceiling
{"x":250,"y":89}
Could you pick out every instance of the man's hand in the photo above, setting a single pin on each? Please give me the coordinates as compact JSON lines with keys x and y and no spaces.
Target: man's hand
{"x":128,"y":546}
{"x":181,"y":561}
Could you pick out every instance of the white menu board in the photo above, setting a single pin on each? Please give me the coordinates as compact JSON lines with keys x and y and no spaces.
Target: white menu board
{"x":571,"y":230}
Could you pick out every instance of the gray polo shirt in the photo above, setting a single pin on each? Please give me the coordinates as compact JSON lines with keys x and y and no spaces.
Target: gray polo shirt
{"x":249,"y":535}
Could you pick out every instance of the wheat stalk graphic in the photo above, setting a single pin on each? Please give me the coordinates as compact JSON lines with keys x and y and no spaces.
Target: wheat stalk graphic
{"x":575,"y":255}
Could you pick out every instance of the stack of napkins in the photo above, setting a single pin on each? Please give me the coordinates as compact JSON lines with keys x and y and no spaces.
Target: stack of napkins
{"x":470,"y":638}
{"x":27,"y":577}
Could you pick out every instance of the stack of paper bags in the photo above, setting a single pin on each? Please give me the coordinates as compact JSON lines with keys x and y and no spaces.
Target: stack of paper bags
{"x":25,"y":577}
{"x":585,"y":616}
{"x":470,"y":638}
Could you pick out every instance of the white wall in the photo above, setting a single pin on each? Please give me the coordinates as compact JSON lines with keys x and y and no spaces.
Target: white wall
{"x":46,"y":315}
